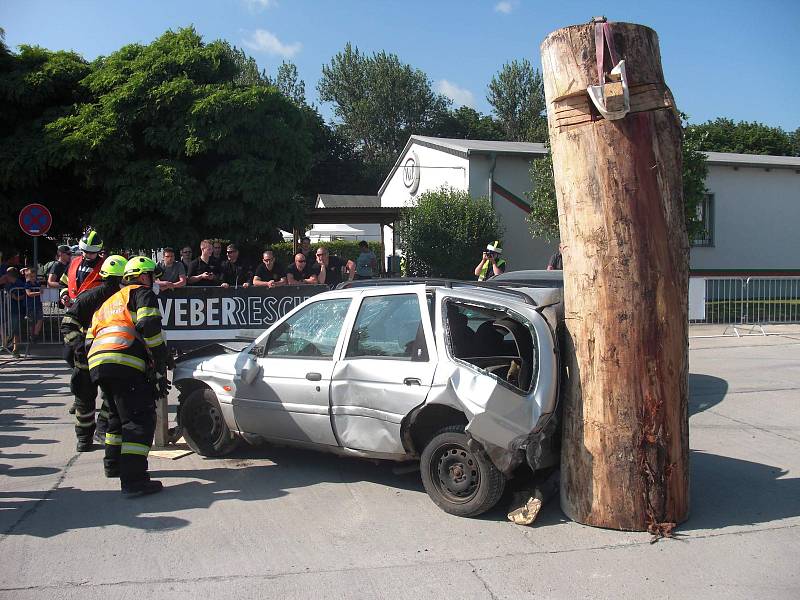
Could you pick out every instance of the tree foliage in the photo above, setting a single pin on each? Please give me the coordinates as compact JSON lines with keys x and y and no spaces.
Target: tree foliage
{"x":445,"y":233}
{"x":516,"y":95}
{"x":36,"y":87}
{"x":379,"y":102}
{"x":172,"y":141}
{"x":725,"y":135}
{"x":466,"y":123}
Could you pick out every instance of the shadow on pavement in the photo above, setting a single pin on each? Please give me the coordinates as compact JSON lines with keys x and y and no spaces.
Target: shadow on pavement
{"x":705,"y":391}
{"x":728,"y":491}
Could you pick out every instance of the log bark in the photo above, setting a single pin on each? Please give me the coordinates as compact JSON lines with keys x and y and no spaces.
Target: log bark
{"x":625,"y":454}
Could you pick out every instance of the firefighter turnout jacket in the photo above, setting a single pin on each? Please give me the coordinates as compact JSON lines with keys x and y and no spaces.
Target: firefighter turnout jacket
{"x":80,"y":276}
{"x":125,"y":339}
{"x":78,"y":318}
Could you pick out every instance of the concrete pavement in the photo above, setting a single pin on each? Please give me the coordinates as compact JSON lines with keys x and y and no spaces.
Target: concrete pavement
{"x":278,"y":522}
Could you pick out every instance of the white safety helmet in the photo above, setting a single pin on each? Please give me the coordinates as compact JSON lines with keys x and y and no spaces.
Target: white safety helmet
{"x":494,"y":247}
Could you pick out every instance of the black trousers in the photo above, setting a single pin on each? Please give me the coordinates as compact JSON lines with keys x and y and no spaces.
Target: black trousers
{"x":85,"y":392}
{"x":131,"y":426}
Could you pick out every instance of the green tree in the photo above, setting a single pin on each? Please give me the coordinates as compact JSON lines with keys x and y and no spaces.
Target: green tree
{"x":725,"y":135}
{"x":543,"y":218}
{"x":289,"y":83}
{"x":378,"y":101}
{"x":466,"y":123}
{"x":175,"y":147}
{"x":516,"y":95}
{"x":37,"y":86}
{"x":445,"y":233}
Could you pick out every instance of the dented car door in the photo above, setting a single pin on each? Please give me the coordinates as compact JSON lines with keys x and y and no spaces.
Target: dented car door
{"x":386,"y":369}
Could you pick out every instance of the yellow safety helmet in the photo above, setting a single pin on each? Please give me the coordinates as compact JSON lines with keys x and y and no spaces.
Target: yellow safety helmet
{"x":113,"y":266}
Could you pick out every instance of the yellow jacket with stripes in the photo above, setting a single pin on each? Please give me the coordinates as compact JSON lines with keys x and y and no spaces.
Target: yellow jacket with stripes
{"x":125,"y":338}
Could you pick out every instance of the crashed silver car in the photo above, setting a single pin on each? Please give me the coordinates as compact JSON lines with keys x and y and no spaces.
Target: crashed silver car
{"x":463,"y":378}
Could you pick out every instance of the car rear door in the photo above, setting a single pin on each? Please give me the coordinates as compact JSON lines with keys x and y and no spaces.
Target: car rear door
{"x":500,"y":409}
{"x":386,"y":369}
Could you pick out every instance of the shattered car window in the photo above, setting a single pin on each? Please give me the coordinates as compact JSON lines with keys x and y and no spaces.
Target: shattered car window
{"x":389,"y":326}
{"x":312,"y":331}
{"x":492,"y":341}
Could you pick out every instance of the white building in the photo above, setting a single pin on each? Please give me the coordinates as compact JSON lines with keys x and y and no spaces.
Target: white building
{"x":752,"y":211}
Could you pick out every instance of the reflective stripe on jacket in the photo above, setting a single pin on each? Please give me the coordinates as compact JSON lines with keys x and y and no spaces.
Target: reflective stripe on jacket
{"x":488,"y":265}
{"x":113,"y":334}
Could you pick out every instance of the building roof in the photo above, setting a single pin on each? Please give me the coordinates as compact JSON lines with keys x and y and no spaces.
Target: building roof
{"x":763,"y":161}
{"x":467,"y":148}
{"x":347,"y":201}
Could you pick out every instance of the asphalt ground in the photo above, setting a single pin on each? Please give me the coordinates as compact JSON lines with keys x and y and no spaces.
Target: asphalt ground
{"x":274,"y":522}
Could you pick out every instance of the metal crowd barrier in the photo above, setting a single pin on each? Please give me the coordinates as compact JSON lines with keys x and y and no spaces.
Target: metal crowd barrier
{"x":735,"y":306}
{"x":746,"y":305}
{"x":19,"y":318}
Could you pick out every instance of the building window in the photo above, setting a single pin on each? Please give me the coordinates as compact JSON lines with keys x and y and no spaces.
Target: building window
{"x":705,"y":214}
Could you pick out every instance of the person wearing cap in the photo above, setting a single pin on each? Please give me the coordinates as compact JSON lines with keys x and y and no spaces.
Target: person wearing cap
{"x":83,"y":272}
{"x":491,"y":264}
{"x":59,"y":267}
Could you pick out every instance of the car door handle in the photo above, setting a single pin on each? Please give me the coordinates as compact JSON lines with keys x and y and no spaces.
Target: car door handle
{"x":412,"y":381}
{"x":313,"y":376}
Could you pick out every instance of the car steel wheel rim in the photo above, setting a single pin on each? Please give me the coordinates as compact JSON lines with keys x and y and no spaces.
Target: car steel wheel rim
{"x":455,"y":473}
{"x":207,"y":422}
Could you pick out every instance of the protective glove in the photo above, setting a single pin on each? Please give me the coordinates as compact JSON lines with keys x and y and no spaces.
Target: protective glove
{"x":163,"y":385}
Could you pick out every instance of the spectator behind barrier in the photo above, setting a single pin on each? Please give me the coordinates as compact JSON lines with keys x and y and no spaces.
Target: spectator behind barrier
{"x":269,"y":273}
{"x":173,"y":273}
{"x":235,"y":273}
{"x":59,"y":267}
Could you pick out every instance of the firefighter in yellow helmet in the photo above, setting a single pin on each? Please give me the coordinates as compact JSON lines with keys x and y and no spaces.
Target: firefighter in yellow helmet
{"x":76,"y":321}
{"x":128,"y":359}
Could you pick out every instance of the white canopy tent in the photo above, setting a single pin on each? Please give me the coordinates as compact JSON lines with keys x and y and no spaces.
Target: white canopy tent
{"x":333,"y":231}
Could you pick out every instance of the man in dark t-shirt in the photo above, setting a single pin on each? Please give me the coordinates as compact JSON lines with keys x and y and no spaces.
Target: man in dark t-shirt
{"x":233,"y":273}
{"x":269,"y":273}
{"x":331,"y":268}
{"x":59,"y":267}
{"x":301,"y":271}
{"x":556,"y":263}
{"x":204,"y":270}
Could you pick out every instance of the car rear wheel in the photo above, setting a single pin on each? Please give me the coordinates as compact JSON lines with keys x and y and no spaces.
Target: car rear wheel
{"x":204,"y":427}
{"x":459,"y":481}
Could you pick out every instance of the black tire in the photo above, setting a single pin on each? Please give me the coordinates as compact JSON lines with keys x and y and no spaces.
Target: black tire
{"x":459,"y":481}
{"x":204,"y":427}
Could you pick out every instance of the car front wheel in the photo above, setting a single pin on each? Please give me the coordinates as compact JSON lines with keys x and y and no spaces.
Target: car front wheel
{"x":204,"y":427}
{"x":459,"y":481}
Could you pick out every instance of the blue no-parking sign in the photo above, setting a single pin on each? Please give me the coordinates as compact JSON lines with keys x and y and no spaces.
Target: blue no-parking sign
{"x":35,"y":219}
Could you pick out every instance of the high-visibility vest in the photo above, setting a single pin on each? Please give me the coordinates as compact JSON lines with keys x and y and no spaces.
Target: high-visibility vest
{"x":90,"y":281}
{"x":113,"y":333}
{"x":486,"y":266}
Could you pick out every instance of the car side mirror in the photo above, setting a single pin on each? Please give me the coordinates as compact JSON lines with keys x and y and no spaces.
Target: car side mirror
{"x":250,"y":370}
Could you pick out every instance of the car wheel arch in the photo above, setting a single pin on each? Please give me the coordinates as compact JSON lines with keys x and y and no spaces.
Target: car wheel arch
{"x":425,"y":421}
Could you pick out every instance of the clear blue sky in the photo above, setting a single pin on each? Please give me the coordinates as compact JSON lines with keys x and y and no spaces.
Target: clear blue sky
{"x":726,"y":58}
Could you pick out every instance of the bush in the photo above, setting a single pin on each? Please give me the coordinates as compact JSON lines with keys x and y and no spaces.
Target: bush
{"x":344,"y":249}
{"x":445,"y":234}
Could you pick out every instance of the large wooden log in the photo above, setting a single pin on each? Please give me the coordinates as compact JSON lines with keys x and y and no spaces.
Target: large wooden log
{"x":625,"y":457}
